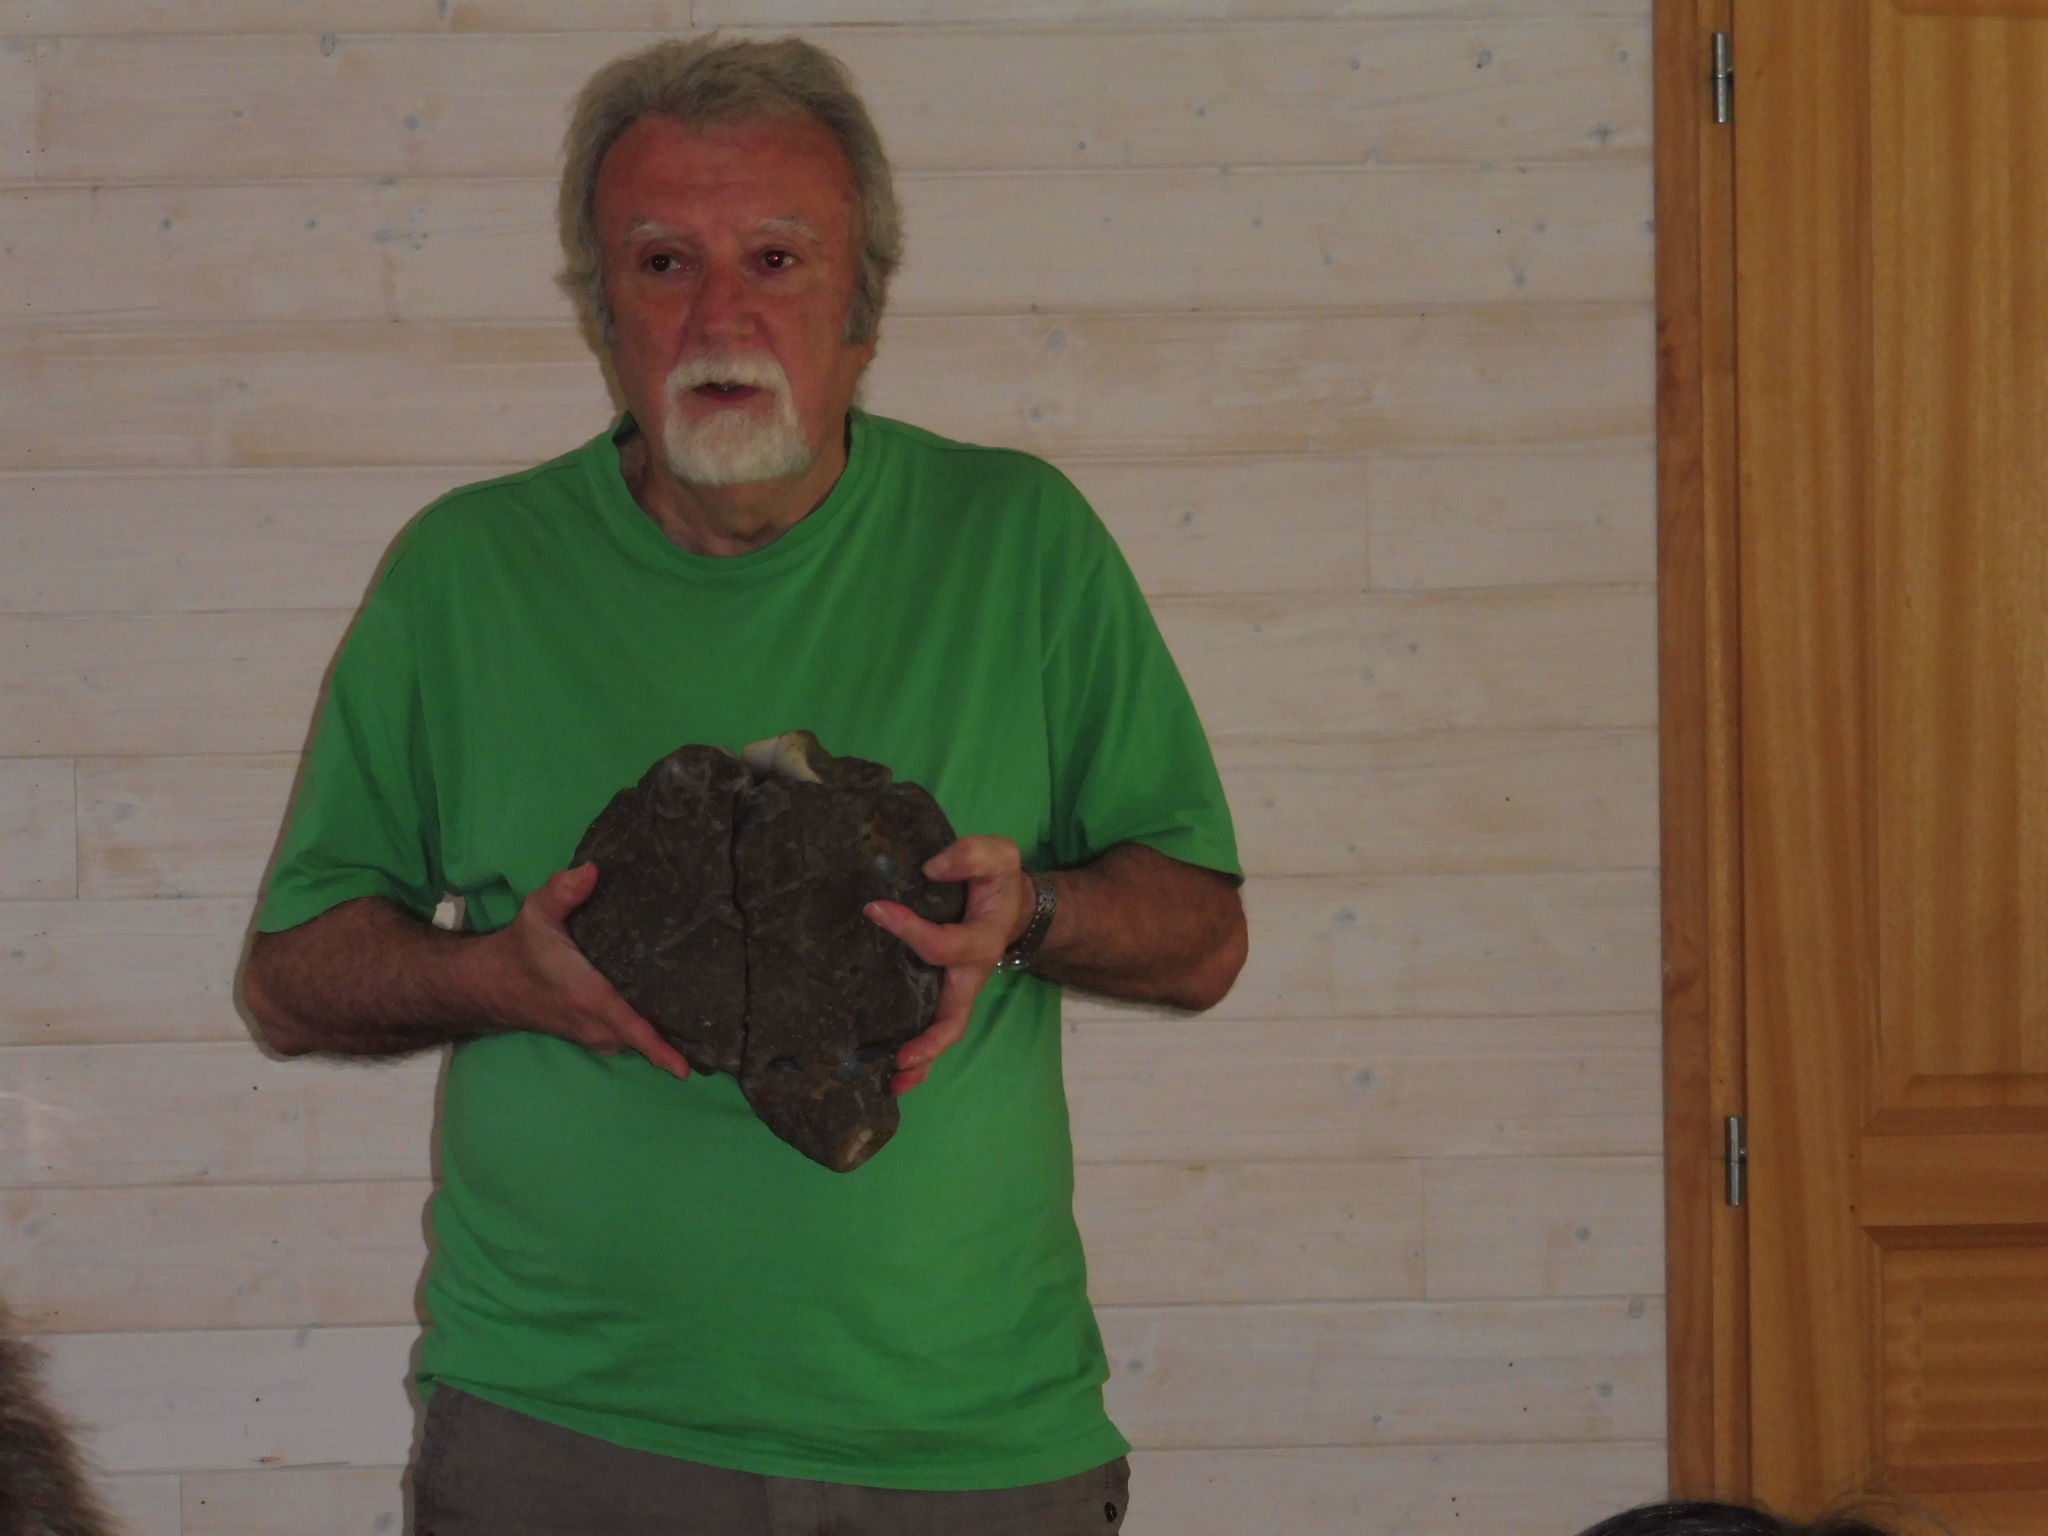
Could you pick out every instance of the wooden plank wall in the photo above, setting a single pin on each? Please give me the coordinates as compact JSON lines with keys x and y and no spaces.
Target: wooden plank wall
{"x":1339,"y":309}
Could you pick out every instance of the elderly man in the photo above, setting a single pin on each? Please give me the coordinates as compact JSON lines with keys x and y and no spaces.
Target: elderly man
{"x":648,"y":1314}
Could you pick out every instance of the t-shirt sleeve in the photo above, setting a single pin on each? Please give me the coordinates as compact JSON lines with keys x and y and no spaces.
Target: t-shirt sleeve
{"x":363,"y":822}
{"x":1130,"y":760}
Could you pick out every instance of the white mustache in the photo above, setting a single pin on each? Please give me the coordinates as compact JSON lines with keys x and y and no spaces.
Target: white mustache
{"x":757,"y":370}
{"x":739,"y":446}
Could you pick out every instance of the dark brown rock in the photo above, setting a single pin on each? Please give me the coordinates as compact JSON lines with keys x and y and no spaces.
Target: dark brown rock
{"x":780,"y":977}
{"x":662,"y":925}
{"x":831,"y":997}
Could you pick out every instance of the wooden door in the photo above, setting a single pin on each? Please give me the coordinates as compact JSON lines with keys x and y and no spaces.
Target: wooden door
{"x":1891,"y":229}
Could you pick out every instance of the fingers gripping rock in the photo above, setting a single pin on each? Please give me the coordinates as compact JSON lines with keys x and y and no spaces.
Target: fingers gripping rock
{"x":734,"y":923}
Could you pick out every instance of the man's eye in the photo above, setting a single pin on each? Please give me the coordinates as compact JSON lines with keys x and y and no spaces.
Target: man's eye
{"x":777,"y":261}
{"x":662,"y":263}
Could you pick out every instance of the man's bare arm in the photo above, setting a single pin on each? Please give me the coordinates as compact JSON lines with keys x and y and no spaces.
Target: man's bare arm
{"x":368,"y":978}
{"x":1145,"y":928}
{"x":1135,"y":925}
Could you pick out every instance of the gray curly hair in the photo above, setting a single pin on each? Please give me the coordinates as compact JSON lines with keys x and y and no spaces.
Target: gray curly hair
{"x":705,"y":82}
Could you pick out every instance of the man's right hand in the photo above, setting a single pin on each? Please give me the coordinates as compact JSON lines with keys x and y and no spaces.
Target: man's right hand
{"x":367,"y":978}
{"x":534,"y":977}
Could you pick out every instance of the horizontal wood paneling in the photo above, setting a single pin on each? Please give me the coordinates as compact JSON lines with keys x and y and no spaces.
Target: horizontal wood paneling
{"x":293,"y":251}
{"x":1195,"y":526}
{"x":1176,"y":1232}
{"x":1582,"y":1226}
{"x":199,"y":540}
{"x":1211,"y":1090}
{"x":1321,"y":665}
{"x":1370,"y":1373}
{"x":240,"y":1399}
{"x":1509,"y":520}
{"x":295,"y":1501}
{"x":38,"y":851}
{"x":1436,"y":1490}
{"x":1131,"y":384}
{"x":1279,"y":238}
{"x":1455,"y":801}
{"x":142,"y":17}
{"x":222,"y":682}
{"x":807,"y":12}
{"x":1463,"y":801}
{"x":180,"y":826}
{"x":102,"y":972}
{"x":1383,"y":521}
{"x":136,"y":18}
{"x":257,"y":395}
{"x":981,"y":98}
{"x":19,"y":105}
{"x":208,"y":1113}
{"x":1156,"y":384}
{"x":144,"y":1505}
{"x":1325,"y":666}
{"x":1342,"y":322}
{"x":134,"y":1258}
{"x":1433,"y":1490}
{"x":308,"y":104}
{"x":439,"y":249}
{"x":205,"y":541}
{"x":225,"y":1113}
{"x":1449,"y":944}
{"x":1384,"y":1373}
{"x":1467,"y":519}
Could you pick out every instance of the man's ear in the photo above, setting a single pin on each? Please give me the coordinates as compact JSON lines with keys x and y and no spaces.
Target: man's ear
{"x":862,"y":355}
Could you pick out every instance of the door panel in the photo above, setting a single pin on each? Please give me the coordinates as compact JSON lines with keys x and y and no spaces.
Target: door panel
{"x":1959,"y":211}
{"x":1892,"y":293}
{"x":1964,"y":1363}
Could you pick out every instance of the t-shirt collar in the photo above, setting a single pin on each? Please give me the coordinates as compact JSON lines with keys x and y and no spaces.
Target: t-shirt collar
{"x":643,"y":539}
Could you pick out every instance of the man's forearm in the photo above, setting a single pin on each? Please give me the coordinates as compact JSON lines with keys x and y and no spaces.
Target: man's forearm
{"x":1140,"y":926}
{"x":366,"y":978}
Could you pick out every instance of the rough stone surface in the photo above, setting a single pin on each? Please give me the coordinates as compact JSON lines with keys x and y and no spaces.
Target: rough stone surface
{"x":661,"y":924}
{"x":831,"y":997}
{"x":729,"y":912}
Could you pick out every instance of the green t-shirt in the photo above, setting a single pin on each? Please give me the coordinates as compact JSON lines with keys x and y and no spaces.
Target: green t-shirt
{"x":640,"y":1258}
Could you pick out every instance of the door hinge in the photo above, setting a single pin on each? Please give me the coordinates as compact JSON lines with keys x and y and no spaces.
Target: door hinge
{"x":1738,"y":1160}
{"x":1724,"y":78}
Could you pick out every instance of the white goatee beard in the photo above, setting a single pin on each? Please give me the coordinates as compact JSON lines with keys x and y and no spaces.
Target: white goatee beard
{"x":734,"y":447}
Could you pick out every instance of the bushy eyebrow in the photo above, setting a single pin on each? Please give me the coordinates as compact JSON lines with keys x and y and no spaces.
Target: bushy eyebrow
{"x":787,"y":224}
{"x":791,"y":224}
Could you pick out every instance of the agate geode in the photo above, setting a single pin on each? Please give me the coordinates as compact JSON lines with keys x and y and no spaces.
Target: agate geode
{"x":728,"y":912}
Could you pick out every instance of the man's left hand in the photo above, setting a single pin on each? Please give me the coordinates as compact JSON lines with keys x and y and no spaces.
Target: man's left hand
{"x":1000,"y":902}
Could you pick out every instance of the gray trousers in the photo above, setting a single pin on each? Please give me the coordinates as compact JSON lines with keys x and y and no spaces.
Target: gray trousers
{"x":484,"y":1470}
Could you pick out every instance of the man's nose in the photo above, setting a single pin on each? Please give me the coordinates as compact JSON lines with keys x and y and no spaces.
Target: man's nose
{"x":724,"y":307}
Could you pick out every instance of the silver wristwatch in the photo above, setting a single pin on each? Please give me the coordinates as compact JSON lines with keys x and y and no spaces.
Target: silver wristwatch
{"x":1018,"y":956}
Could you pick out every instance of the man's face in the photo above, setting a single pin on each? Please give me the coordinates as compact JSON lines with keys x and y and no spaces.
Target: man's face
{"x":729,"y":264}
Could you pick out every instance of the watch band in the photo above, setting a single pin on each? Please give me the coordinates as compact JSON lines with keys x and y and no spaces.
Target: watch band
{"x":1019,"y":955}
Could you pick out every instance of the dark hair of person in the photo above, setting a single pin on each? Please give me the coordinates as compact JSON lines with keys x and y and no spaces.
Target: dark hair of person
{"x":1703,"y":1519}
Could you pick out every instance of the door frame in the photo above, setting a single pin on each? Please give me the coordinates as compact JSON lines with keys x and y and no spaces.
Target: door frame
{"x":1699,"y":688}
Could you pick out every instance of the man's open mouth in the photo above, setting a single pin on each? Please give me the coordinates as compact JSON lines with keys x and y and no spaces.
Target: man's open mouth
{"x":719,"y":389}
